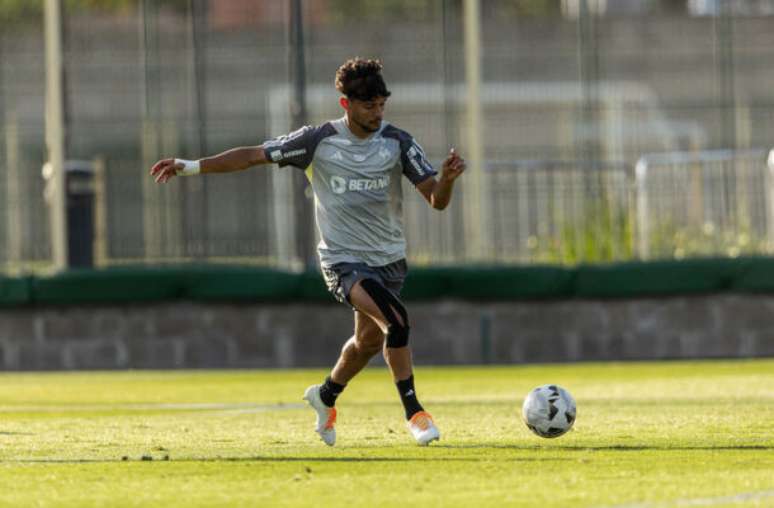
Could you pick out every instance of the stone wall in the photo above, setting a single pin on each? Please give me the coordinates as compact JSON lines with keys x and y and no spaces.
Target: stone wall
{"x":188,"y":335}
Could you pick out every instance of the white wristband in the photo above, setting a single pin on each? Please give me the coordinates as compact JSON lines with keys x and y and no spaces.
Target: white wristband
{"x":189,"y":167}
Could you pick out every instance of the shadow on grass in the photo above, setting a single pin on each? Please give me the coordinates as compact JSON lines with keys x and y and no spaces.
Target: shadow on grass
{"x":258,"y":459}
{"x":605,"y":448}
{"x":436,"y":458}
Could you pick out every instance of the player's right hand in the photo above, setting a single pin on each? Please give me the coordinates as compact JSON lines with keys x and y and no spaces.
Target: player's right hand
{"x":453,"y":166}
{"x":165,"y":169}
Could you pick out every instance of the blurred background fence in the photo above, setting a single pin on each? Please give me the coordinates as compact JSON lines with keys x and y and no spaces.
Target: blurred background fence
{"x":612,"y":130}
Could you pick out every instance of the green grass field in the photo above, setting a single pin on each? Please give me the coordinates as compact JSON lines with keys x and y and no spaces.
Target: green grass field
{"x":647,"y":435}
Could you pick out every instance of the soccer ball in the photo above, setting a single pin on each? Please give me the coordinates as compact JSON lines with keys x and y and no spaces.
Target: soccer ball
{"x":549,"y":411}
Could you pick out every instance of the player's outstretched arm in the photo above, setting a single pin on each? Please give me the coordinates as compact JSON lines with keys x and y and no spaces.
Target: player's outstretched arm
{"x":439,"y":192}
{"x":236,"y":159}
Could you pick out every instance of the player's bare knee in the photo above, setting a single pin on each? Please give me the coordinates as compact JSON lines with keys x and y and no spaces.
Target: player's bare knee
{"x":370,"y":343}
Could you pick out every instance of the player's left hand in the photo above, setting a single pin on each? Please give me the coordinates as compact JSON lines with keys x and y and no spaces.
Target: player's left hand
{"x":453,"y":166}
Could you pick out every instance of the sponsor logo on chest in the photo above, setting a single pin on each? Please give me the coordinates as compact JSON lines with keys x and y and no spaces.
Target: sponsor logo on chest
{"x":340,"y":184}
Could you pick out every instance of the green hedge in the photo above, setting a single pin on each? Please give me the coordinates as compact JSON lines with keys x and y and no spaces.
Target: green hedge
{"x":249,"y":284}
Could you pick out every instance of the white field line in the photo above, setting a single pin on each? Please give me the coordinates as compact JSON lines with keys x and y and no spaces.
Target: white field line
{"x":743,"y":497}
{"x":207,"y":406}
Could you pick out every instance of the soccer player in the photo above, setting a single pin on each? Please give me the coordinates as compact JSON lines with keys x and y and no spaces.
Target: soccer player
{"x":357,"y":162}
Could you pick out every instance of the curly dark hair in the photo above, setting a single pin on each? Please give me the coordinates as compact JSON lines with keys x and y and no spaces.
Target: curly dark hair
{"x":361,"y":79}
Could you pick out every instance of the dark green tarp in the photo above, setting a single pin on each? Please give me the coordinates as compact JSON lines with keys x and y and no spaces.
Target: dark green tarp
{"x":242,"y":283}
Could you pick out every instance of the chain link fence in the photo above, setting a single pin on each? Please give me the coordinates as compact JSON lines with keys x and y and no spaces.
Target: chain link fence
{"x":575,"y":93}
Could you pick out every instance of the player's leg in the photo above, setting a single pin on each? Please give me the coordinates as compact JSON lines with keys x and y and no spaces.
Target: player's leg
{"x":373,"y":299}
{"x":358,"y":350}
{"x":355,"y":354}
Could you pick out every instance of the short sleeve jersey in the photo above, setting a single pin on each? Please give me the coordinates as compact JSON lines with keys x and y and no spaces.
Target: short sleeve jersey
{"x":357,"y":187}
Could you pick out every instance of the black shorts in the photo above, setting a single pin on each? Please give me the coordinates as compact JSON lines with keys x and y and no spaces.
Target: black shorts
{"x":342,"y":276}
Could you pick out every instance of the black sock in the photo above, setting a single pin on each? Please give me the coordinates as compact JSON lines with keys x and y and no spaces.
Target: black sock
{"x":409,"y":397}
{"x":329,"y":391}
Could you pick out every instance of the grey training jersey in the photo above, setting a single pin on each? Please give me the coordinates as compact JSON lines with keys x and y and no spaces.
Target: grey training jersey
{"x":357,"y":187}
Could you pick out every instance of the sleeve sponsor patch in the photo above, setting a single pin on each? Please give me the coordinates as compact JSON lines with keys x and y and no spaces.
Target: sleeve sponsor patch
{"x":294,"y":149}
{"x":416,"y":157}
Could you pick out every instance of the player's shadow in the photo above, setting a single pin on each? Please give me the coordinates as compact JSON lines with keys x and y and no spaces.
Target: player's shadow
{"x":259,"y":459}
{"x":392,"y":459}
{"x":613,"y":448}
{"x":422,"y":458}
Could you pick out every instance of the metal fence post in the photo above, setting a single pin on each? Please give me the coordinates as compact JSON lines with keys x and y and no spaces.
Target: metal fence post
{"x":298,"y":118}
{"x":476,"y":206}
{"x":55,"y":130}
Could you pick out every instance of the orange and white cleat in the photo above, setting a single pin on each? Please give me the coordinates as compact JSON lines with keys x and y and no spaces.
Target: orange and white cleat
{"x":423,"y":429}
{"x":326,"y":416}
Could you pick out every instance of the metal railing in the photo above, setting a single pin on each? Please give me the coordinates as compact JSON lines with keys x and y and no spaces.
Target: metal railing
{"x":669,"y":205}
{"x":711,"y":203}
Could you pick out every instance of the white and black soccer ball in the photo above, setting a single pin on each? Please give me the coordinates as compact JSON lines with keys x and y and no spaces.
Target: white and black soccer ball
{"x":549,"y":411}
